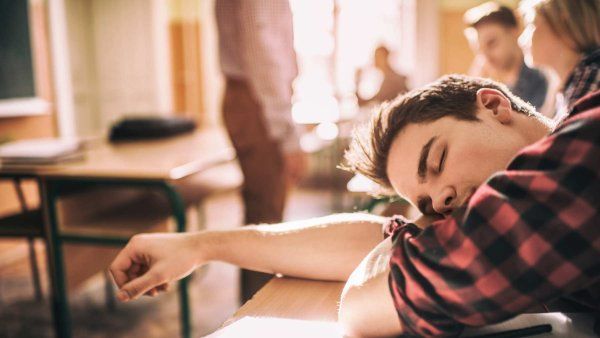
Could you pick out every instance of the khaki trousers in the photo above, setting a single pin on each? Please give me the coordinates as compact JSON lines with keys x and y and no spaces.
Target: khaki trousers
{"x":261,"y":161}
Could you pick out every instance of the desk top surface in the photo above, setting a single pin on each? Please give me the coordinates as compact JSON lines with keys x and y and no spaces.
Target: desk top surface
{"x":161,"y":159}
{"x":297,"y":308}
{"x":294,"y":298}
{"x":287,"y":307}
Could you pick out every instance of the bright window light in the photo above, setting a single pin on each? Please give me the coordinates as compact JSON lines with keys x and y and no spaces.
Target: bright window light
{"x":327,"y":131}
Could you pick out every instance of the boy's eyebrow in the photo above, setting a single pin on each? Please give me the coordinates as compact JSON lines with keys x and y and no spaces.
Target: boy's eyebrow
{"x":422,"y":167}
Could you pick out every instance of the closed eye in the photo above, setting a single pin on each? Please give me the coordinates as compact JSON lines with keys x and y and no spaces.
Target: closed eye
{"x":442,"y":161}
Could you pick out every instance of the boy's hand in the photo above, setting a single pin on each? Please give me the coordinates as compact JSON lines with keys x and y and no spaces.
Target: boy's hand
{"x":149,"y":262}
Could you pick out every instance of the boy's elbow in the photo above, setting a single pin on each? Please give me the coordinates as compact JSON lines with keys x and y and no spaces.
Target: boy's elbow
{"x":349,"y":319}
{"x":358,"y":316}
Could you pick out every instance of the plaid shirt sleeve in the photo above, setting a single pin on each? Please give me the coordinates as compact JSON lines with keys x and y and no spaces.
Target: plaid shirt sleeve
{"x":530,"y":234}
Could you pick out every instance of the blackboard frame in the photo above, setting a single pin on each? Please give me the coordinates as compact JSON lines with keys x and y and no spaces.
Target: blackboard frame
{"x":29,"y":103}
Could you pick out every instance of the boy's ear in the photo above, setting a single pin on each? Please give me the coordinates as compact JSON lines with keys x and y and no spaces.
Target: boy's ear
{"x":496,"y":103}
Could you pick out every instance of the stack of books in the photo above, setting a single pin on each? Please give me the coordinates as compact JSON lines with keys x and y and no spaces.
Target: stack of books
{"x":40,"y":151}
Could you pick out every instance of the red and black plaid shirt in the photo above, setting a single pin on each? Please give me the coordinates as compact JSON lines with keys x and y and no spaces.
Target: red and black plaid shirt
{"x":529,"y":235}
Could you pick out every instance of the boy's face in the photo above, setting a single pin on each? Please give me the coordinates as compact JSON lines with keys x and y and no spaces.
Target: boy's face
{"x":498,"y":44}
{"x":438,"y":165}
{"x":540,"y":44}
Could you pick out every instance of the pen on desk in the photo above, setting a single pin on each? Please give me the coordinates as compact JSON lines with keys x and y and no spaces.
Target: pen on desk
{"x":518,"y":333}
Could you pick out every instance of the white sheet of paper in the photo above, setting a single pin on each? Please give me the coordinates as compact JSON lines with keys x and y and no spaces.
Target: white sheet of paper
{"x":568,"y":325}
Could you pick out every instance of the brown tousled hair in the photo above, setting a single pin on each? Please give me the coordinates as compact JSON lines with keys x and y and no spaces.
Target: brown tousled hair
{"x":451,"y":95}
{"x":490,"y":12}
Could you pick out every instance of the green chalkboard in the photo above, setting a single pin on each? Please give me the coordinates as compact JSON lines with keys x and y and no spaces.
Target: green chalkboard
{"x":16,"y":63}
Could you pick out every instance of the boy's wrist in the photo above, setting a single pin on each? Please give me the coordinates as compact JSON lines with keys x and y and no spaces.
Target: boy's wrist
{"x":203,"y":246}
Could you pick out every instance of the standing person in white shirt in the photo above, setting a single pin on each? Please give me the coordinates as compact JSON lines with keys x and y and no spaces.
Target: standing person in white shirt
{"x":258,"y":61}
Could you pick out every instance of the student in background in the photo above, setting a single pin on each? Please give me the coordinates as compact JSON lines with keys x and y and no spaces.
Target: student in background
{"x":493,"y":33}
{"x":258,"y":61}
{"x":392,"y":84}
{"x":564,"y":35}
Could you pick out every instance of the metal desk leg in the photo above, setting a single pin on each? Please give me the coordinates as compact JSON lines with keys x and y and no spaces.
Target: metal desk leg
{"x":178,"y":209}
{"x":60,"y":303}
{"x":35,"y":271}
{"x":61,"y":313}
{"x":184,"y":308}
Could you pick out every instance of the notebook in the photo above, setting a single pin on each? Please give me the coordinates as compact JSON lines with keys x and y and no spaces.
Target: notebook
{"x":40,"y":151}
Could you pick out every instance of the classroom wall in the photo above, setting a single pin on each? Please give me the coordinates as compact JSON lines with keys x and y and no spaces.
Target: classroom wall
{"x":119,"y":56}
{"x":166,"y":38}
{"x":185,"y":33}
{"x":455,"y":53}
{"x":197,"y":80}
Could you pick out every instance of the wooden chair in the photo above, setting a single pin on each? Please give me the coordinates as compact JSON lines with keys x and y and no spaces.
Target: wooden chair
{"x":28,"y":224}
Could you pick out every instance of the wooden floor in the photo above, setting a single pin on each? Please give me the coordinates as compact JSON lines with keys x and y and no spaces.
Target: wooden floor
{"x":213,"y":290}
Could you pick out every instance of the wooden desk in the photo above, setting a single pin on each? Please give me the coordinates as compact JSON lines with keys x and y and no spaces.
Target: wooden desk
{"x":161,"y":159}
{"x":154,"y":164}
{"x":294,"y":298}
{"x":287,"y":307}
{"x":297,"y":308}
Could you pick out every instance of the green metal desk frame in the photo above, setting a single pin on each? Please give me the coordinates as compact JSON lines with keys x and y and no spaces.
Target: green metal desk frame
{"x":376,"y":201}
{"x":50,"y":190}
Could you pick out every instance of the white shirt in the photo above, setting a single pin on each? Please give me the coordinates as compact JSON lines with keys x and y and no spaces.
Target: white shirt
{"x":256,"y":44}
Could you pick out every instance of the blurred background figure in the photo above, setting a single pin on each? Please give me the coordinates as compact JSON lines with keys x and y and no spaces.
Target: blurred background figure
{"x":564,"y":35}
{"x":392,"y":83}
{"x":258,"y":61}
{"x":493,"y":33}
